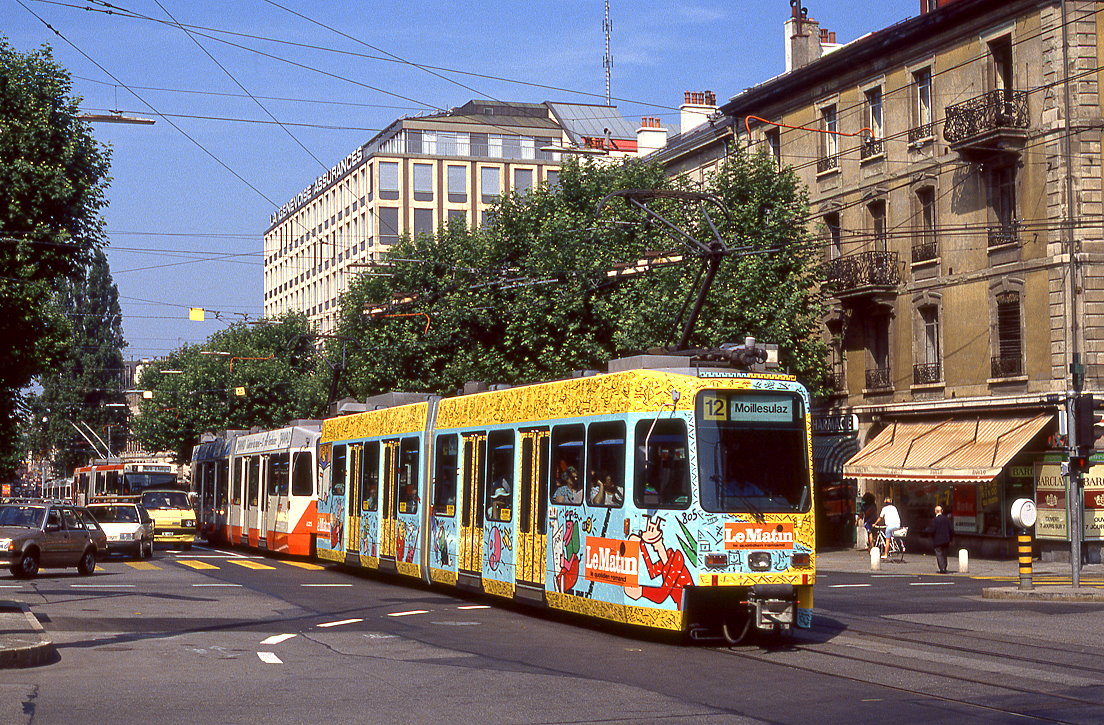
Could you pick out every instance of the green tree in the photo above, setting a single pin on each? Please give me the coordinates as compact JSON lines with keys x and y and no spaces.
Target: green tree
{"x":259,"y":375}
{"x":84,"y":387}
{"x":530,"y":298}
{"x":53,"y":175}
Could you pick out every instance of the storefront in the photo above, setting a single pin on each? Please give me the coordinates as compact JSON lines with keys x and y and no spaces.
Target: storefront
{"x":974,"y":467}
{"x":1053,"y":501}
{"x":835,"y":439}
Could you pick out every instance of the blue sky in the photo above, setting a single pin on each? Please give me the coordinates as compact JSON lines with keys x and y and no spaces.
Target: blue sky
{"x":186,"y":231}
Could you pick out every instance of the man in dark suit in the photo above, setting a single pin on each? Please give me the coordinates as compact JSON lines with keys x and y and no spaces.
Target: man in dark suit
{"x":942,"y":535}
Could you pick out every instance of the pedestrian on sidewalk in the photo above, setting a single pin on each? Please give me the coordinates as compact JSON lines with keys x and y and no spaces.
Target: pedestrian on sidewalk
{"x":942,"y":536}
{"x":867,"y":517}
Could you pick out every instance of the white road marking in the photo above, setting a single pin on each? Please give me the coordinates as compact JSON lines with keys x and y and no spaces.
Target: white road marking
{"x":11,"y":586}
{"x":216,"y":585}
{"x":103,"y":586}
{"x":848,"y":586}
{"x":277,"y":638}
{"x":340,"y":622}
{"x":475,"y":606}
{"x":270,"y":658}
{"x":325,"y":585}
{"x":407,"y":614}
{"x":931,"y":584}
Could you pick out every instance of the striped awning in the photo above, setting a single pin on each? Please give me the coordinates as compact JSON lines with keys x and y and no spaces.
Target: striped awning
{"x":958,"y":450}
{"x":831,"y":452}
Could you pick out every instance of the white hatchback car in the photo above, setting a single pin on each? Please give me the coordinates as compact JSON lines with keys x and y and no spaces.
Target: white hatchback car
{"x":129,"y":527}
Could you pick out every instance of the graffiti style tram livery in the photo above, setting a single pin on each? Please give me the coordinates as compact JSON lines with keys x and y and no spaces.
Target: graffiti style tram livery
{"x":677,"y":499}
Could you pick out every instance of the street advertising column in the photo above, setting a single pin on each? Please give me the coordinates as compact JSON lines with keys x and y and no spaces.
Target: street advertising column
{"x":1050,"y":501}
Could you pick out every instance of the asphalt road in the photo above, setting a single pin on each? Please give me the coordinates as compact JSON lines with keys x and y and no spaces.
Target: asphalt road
{"x":221,"y":636}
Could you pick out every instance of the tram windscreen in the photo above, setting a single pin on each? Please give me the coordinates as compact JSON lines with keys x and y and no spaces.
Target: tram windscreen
{"x":138,"y":482}
{"x":752,"y":452}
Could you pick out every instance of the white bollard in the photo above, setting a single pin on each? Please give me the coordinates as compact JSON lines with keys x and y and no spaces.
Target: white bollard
{"x":875,"y":559}
{"x":963,"y":561}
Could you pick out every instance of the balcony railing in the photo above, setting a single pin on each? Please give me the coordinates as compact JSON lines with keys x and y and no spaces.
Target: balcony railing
{"x":827,"y":163}
{"x":992,"y":111}
{"x":870,"y":148}
{"x":927,"y":373}
{"x":925,"y":249}
{"x":1001,"y":234}
{"x":838,"y":381}
{"x":1007,"y":366}
{"x":863,"y":271}
{"x":921,"y":133}
{"x":877,"y":378}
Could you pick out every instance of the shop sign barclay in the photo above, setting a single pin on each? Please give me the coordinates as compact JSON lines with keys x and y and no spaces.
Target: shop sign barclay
{"x":1052,"y":503}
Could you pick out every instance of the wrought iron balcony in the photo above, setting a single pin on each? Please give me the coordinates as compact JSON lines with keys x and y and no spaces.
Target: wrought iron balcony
{"x":827,"y":163}
{"x":1007,"y":366}
{"x":925,"y":248}
{"x":877,"y":379}
{"x":921,"y":133}
{"x":837,"y":381}
{"x":863,"y":273}
{"x":871,"y":148}
{"x":996,"y":120}
{"x":1002,"y":234}
{"x":927,"y":373}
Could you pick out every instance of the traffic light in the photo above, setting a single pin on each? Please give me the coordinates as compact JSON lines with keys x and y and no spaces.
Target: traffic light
{"x":1084,"y":420}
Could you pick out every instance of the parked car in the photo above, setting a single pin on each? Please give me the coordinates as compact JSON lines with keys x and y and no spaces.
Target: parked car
{"x":127,"y":523}
{"x":36,"y":534}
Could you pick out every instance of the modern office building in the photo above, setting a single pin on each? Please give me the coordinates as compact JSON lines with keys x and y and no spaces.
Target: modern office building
{"x":953,"y":163}
{"x":417,"y":174}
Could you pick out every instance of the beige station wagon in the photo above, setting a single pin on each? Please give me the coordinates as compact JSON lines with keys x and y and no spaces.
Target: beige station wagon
{"x":48,"y":534}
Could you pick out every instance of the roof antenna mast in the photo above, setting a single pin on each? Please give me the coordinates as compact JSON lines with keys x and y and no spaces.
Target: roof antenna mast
{"x":607,"y":60}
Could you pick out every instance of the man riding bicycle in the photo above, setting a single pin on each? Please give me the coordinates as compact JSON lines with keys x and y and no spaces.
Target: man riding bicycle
{"x":890,"y":517}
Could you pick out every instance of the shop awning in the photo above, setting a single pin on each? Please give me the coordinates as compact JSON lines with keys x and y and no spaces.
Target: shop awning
{"x":830,"y":453}
{"x":959,"y":450}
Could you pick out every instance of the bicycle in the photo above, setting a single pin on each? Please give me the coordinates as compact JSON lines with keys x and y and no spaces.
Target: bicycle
{"x":891,"y":546}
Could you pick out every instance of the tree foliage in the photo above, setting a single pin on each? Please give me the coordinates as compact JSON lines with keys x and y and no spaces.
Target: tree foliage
{"x":529,"y":297}
{"x":84,"y":387}
{"x":274,"y":366}
{"x":53,"y":175}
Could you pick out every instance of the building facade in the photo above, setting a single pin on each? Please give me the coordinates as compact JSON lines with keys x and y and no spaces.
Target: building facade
{"x":953,"y":163}
{"x":413,"y":177}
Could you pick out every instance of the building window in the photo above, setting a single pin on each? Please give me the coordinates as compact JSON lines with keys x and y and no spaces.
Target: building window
{"x":457,"y":184}
{"x":388,"y":225}
{"x":1008,"y":362}
{"x":423,"y":182}
{"x":838,"y":380}
{"x":872,"y":143}
{"x":478,"y":143}
{"x":877,"y":347}
{"x":928,"y":368}
{"x":829,"y":141}
{"x":457,"y":215}
{"x":523,"y":180}
{"x":389,"y":180}
{"x":553,"y":178}
{"x":1001,"y":68}
{"x":543,"y":143}
{"x":773,"y":139}
{"x":490,"y":183}
{"x":877,"y":211}
{"x":835,"y":235}
{"x":923,"y":128}
{"x":924,"y":246}
{"x":1001,"y":182}
{"x":423,"y":222}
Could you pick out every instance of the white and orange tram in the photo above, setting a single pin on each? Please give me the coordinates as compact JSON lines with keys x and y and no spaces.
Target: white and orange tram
{"x":270,"y":501}
{"x":113,"y":477}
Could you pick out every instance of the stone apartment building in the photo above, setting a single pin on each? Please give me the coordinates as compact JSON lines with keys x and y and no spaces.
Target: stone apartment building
{"x":953,"y":163}
{"x":417,"y":174}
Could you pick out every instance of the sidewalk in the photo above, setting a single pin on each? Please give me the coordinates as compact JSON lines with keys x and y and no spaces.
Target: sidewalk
{"x":23,"y":641}
{"x":1050,"y":578}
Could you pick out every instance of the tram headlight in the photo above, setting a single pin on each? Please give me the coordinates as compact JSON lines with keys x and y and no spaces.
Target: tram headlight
{"x":759,"y":561}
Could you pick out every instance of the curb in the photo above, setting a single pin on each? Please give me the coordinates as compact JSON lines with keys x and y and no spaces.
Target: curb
{"x":1044,"y":594}
{"x":23,"y":639}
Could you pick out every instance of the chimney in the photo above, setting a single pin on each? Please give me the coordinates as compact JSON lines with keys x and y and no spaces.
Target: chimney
{"x":696,"y":109}
{"x":651,"y":136}
{"x":804,"y":38}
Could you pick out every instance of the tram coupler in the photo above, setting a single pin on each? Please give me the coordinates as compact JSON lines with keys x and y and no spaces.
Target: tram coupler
{"x":772,"y":606}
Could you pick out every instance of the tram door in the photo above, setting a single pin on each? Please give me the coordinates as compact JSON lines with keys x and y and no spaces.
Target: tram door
{"x":389,"y":497}
{"x":352,"y":502}
{"x":275,"y":516}
{"x":254,"y":501}
{"x":471,"y":513}
{"x":533,"y":514}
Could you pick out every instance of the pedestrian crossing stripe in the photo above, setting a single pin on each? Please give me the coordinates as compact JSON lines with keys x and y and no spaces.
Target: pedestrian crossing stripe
{"x":142,"y":565}
{"x":196,"y":564}
{"x":250,"y":564}
{"x":305,"y":565}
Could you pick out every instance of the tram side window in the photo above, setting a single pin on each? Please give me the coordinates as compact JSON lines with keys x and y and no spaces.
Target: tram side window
{"x":662,"y":470}
{"x":475,"y":452}
{"x":446,"y":462}
{"x":337,"y":470}
{"x":112,"y":486}
{"x":254,"y":479}
{"x":567,"y":452}
{"x":279,"y":470}
{"x":606,"y":464}
{"x":302,"y":475}
{"x":369,"y":477}
{"x":407,"y":479}
{"x":222,"y":469}
{"x":500,"y":475}
{"x":239,"y":481}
